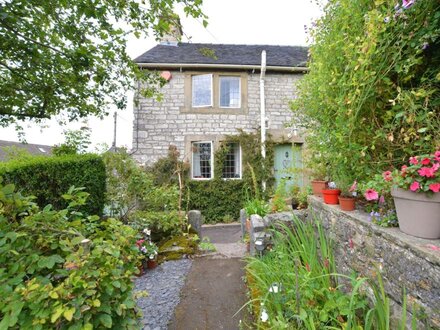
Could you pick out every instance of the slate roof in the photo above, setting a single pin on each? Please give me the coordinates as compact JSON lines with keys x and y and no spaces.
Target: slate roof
{"x":197,"y":53}
{"x":33,"y":149}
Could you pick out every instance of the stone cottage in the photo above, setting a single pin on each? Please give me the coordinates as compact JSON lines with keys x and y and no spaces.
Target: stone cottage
{"x":212,"y":91}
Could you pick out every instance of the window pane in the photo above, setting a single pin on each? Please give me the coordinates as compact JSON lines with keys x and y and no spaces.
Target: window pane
{"x":202,"y":90}
{"x":230,"y":92}
{"x":201,"y":164}
{"x":232,"y":163}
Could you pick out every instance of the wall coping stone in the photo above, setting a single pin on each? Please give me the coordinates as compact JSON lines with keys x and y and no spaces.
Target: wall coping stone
{"x":418,"y":246}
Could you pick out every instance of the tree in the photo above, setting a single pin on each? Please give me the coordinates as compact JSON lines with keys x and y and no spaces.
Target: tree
{"x":69,"y":56}
{"x":76,"y":142}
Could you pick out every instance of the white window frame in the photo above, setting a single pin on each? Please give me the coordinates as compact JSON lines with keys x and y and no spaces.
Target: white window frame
{"x":212,"y":91}
{"x":241,"y":164}
{"x":211,"y":159}
{"x":220,"y":91}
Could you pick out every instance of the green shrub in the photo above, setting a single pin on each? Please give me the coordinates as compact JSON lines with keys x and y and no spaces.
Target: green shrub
{"x":62,"y":270}
{"x":162,"y":224}
{"x":130,"y":188}
{"x":216,"y":199}
{"x":47,"y":178}
{"x":375,"y":101}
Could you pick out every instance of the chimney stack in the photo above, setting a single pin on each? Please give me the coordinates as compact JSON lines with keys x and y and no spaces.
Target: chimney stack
{"x":174,"y":34}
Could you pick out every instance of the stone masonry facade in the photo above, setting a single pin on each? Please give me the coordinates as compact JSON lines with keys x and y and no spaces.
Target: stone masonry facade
{"x":157,"y":125}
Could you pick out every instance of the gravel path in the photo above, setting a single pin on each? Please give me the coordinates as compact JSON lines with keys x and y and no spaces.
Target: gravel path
{"x":163,"y":285}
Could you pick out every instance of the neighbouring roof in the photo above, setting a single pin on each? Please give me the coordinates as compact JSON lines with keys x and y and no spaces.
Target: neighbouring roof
{"x":33,"y":149}
{"x":222,"y":54}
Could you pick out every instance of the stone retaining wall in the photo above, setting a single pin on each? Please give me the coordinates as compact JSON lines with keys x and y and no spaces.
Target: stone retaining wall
{"x":404,"y":261}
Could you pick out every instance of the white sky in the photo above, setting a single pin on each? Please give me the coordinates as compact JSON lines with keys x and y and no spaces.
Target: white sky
{"x":274,"y":22}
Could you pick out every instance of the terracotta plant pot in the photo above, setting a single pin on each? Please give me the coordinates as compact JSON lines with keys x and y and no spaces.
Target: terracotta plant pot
{"x":347,"y":203}
{"x":331,"y":196}
{"x":418,"y":213}
{"x":318,"y":186}
{"x":151,"y":263}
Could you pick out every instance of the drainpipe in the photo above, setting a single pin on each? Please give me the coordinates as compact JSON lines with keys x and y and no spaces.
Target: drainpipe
{"x":138,"y":106}
{"x":263,"y":111}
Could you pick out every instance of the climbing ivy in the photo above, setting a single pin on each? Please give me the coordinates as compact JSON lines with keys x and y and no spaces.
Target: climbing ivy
{"x":220,"y":200}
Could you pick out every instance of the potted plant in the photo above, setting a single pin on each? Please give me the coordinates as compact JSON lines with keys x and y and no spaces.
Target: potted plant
{"x":318,"y":175}
{"x":416,"y":193}
{"x":331,"y":194}
{"x":149,"y":251}
{"x":347,"y":199}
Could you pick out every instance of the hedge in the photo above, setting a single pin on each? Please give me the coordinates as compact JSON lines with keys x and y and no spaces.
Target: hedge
{"x":219,"y":200}
{"x":47,"y":178}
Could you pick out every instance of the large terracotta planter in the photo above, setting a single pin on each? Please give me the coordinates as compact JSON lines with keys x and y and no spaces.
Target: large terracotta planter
{"x":418,"y":213}
{"x":347,"y":203}
{"x":318,"y":186}
{"x":331,"y":196}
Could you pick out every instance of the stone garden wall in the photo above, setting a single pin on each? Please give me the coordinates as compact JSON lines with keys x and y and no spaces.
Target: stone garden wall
{"x":404,"y":261}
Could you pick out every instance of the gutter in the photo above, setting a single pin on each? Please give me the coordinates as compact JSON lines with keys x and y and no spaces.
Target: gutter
{"x":291,"y":69}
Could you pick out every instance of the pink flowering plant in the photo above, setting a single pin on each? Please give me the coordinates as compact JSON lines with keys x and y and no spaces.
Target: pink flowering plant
{"x":378,"y":200}
{"x":422,"y":174}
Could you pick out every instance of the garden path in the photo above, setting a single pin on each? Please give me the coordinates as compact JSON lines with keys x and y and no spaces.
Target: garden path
{"x":214,"y":292}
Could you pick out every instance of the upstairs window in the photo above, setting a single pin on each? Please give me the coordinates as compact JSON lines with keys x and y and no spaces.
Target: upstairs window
{"x":202,"y":90}
{"x":232,"y":162}
{"x":202,"y":160}
{"x":230,"y":93}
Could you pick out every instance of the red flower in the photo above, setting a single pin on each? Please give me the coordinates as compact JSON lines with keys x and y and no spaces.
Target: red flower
{"x":435,"y":187}
{"x":435,"y":167}
{"x":403,"y":170}
{"x":426,"y":161}
{"x":140,"y":242}
{"x":413,"y":160}
{"x":437,"y":155}
{"x":426,"y":171}
{"x":414,"y":186}
{"x":387,"y":176}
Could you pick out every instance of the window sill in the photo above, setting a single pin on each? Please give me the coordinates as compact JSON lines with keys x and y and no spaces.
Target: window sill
{"x":215,"y":111}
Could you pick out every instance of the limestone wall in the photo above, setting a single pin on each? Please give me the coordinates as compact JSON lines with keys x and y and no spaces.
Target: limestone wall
{"x":404,"y":261}
{"x":160,"y":124}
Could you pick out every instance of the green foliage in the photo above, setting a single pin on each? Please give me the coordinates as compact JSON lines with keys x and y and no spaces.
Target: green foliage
{"x":162,"y":224}
{"x":130,"y":188}
{"x":255,"y":169}
{"x":164,"y":170}
{"x":76,"y":142}
{"x":206,"y":245}
{"x":215,"y":198}
{"x":61,"y":269}
{"x":256,"y":206}
{"x":220,"y":199}
{"x":310,"y":295}
{"x":278,"y":203}
{"x":375,"y":101}
{"x":47,"y":178}
{"x":70,"y":57}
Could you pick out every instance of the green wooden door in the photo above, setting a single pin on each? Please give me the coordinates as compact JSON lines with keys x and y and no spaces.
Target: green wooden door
{"x":287,"y":164}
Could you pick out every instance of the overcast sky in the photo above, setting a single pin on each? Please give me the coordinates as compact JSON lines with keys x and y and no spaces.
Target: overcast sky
{"x":274,"y":22}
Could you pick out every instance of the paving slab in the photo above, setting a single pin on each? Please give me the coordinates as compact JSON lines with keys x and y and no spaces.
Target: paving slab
{"x":214,"y":292}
